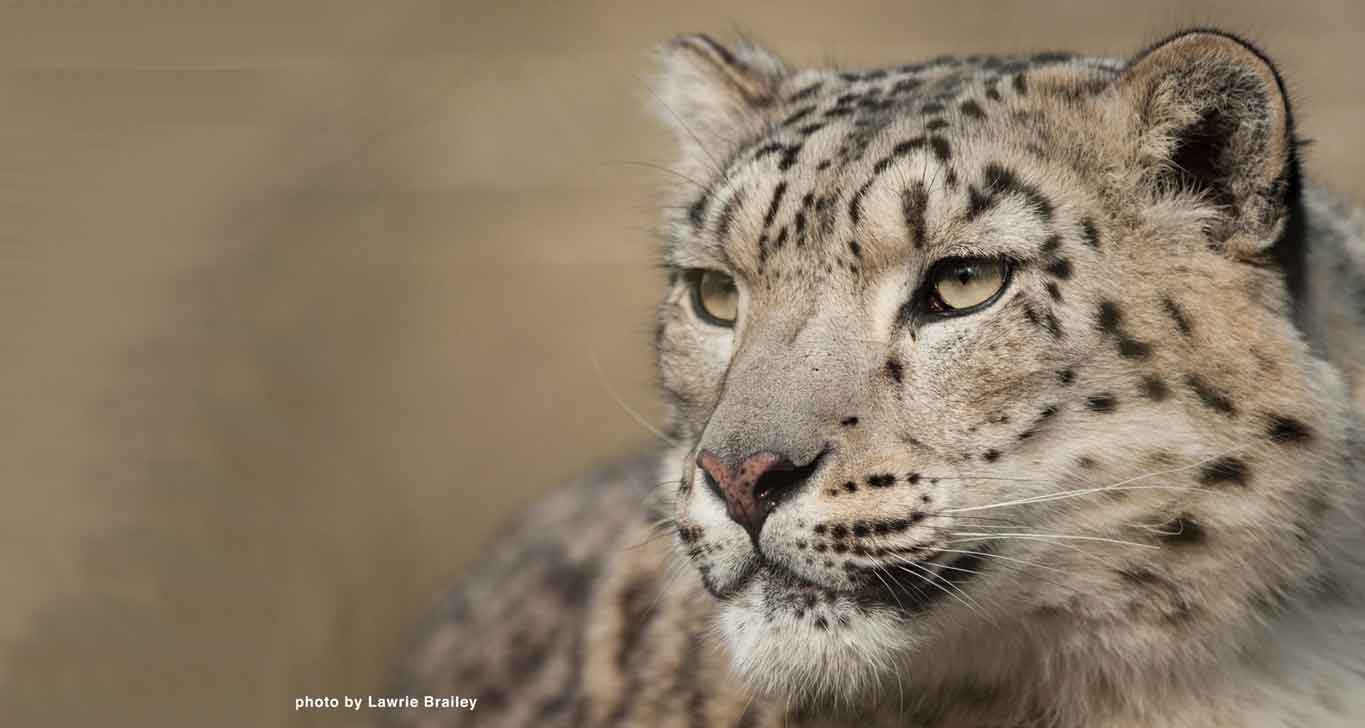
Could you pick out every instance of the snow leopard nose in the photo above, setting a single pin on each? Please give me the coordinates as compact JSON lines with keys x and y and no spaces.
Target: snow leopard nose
{"x":755,"y":487}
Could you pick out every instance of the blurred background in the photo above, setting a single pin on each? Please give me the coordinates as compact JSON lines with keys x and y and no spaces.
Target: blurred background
{"x":299,"y":300}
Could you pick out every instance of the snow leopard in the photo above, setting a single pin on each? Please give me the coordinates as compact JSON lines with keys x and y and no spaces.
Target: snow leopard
{"x":1002,"y":391}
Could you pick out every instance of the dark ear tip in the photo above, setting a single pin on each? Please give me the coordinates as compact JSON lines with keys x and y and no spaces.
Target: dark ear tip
{"x":702,"y":44}
{"x":1209,"y":41}
{"x":1211,"y":33}
{"x":684,"y":40}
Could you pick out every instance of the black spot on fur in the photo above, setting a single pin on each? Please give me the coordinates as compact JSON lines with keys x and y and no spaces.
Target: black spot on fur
{"x":909,"y":145}
{"x":1051,"y":245}
{"x":1177,"y":315}
{"x":914,"y":202}
{"x":776,"y":202}
{"x":1130,"y":348}
{"x":972,"y":110}
{"x":1052,"y":324}
{"x":900,"y":150}
{"x":1224,"y":470}
{"x":1288,"y":429}
{"x":1051,"y":57}
{"x":781,"y":238}
{"x":997,"y":182}
{"x":1090,"y":233}
{"x":1109,"y":318}
{"x":696,"y":213}
{"x":1182,"y":530}
{"x":1102,"y":402}
{"x":855,"y":204}
{"x":1020,"y":84}
{"x":726,"y":219}
{"x":1210,"y":397}
{"x":881,"y":481}
{"x":855,"y":248}
{"x":991,"y":456}
{"x":1060,"y":268}
{"x":849,"y":421}
{"x":905,"y":84}
{"x":894,"y":370}
{"x":806,"y":92}
{"x":1066,"y":376}
{"x":942,"y":150}
{"x":1054,"y":291}
{"x":798,"y":115}
{"x":1154,"y":388}
{"x":767,"y":149}
{"x":992,"y":89}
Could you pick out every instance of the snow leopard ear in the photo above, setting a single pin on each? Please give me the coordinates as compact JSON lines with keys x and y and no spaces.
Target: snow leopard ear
{"x":712,"y":95}
{"x":1213,"y":118}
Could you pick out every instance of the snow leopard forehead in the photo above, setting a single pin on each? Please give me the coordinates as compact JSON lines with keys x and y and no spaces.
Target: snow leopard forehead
{"x":846,"y":171}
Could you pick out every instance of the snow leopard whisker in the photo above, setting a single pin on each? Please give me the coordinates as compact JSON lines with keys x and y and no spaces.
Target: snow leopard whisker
{"x":1113,"y":487}
{"x":889,"y":589}
{"x":1057,"y":543}
{"x":675,"y":569}
{"x":1012,"y":568}
{"x":639,"y":419}
{"x":1002,"y":557}
{"x":659,"y":168}
{"x":695,"y":139}
{"x":649,"y":539}
{"x":977,"y":536}
{"x":920,"y":570}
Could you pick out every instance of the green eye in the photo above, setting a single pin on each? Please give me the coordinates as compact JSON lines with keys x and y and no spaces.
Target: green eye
{"x":965,"y":284}
{"x":715,"y":297}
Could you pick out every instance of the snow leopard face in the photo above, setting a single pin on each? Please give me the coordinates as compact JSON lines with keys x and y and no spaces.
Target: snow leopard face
{"x":981,"y":354}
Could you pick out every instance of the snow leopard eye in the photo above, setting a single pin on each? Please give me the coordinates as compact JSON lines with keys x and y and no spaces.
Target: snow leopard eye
{"x":715,"y":297}
{"x":963,"y":285}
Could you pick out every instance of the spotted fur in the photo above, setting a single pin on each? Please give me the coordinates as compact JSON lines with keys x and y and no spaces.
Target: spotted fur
{"x":1124,"y":492}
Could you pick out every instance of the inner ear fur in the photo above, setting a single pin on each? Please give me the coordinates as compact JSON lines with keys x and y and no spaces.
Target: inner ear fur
{"x":711,"y":94}
{"x":1214,"y":119}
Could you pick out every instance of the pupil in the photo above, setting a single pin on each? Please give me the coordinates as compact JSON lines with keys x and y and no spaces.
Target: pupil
{"x":965,"y":275}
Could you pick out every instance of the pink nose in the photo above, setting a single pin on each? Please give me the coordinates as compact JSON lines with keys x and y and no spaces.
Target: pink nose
{"x":752,"y":490}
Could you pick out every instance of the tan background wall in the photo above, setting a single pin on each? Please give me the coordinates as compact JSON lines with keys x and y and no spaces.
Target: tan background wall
{"x":299,"y":300}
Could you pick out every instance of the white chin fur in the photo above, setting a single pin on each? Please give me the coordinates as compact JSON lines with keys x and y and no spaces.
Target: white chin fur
{"x":843,"y":664}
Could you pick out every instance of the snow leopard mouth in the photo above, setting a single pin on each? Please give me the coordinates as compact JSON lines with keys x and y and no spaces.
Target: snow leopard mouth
{"x":909,"y":588}
{"x":913,"y":588}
